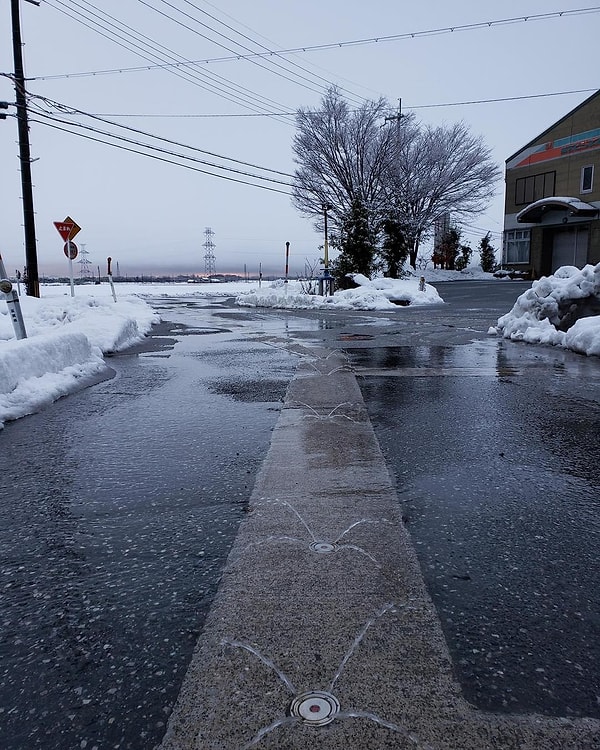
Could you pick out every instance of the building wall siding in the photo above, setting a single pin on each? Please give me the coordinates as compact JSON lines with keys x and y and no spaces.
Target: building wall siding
{"x":564,"y":148}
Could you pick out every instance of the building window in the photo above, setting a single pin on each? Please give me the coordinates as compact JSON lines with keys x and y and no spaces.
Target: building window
{"x":516,"y":246}
{"x":587,"y":179}
{"x":532,"y":188}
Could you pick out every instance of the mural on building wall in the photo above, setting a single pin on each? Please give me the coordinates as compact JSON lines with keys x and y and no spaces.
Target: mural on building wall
{"x":542,"y":152}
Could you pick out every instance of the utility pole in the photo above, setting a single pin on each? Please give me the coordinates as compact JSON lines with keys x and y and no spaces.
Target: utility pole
{"x":397,"y":117}
{"x":33,"y":284}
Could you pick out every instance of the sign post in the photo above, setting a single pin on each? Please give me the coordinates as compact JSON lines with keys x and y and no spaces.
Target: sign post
{"x":68,"y":229}
{"x":70,"y":250}
{"x":287,"y":262}
{"x":110,"y":280}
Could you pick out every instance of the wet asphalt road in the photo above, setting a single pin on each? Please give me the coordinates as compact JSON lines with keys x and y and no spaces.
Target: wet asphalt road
{"x":119,"y":506}
{"x":495,"y":452}
{"x":121,"y":503}
{"x":498,"y":475}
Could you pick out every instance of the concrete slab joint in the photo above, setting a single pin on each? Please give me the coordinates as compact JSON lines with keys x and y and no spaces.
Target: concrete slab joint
{"x":322,"y":634}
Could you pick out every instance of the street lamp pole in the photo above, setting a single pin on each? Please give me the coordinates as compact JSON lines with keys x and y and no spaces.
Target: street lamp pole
{"x":33,"y":284}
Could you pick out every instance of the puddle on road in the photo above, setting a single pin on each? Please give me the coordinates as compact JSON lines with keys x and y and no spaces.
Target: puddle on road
{"x":498,"y":483}
{"x":491,"y":358}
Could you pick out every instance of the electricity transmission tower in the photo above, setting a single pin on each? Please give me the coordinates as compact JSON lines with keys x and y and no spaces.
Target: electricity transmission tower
{"x":85,"y":272}
{"x":209,"y":255}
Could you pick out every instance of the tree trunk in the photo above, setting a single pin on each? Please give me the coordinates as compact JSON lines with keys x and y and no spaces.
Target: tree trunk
{"x":413,"y":252}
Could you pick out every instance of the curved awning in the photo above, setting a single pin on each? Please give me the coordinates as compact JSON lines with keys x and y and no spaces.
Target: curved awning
{"x":535,"y":212}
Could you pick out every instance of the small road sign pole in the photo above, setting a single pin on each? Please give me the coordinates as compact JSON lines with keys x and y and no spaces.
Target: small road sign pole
{"x":70,"y":249}
{"x":71,"y":269}
{"x":110,"y":279}
{"x":68,"y":229}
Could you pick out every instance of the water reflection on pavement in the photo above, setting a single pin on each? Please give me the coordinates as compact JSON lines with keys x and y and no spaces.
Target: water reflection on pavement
{"x":495,"y":453}
{"x":119,"y":506}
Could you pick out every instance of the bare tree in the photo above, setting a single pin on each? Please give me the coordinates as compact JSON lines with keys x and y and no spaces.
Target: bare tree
{"x":343,"y":156}
{"x":438,"y":170}
{"x":372,"y":176}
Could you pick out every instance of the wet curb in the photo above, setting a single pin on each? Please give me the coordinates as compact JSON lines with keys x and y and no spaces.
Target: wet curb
{"x":322,"y":634}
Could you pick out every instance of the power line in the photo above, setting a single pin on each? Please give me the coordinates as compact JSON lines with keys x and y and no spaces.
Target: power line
{"x":173,"y":64}
{"x":474,"y":229}
{"x":171,"y":52}
{"x":339,"y":45}
{"x":270,"y":41}
{"x":66,"y":110}
{"x":259,"y":44}
{"x":197,"y":77}
{"x":501,"y":99}
{"x":415,"y":106}
{"x":192,"y":115}
{"x":53,"y":118}
{"x":250,"y":56}
{"x":414,"y":34}
{"x":159,"y":158}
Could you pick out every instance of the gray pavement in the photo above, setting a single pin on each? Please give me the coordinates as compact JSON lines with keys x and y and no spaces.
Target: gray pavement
{"x":322,"y":634}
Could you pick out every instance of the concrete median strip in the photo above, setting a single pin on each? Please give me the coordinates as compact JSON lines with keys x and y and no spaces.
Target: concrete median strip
{"x":322,"y":634}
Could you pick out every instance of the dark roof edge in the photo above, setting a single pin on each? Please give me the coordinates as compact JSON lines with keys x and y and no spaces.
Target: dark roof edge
{"x":554,"y":124}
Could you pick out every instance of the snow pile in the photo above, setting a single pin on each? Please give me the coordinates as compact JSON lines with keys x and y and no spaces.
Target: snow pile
{"x":109,"y":325}
{"x":379,"y":294}
{"x":67,"y":337}
{"x":563,"y":310}
{"x":471,"y":273}
{"x":36,"y":371}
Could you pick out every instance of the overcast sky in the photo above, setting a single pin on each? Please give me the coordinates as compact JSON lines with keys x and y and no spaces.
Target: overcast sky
{"x":150,"y":216}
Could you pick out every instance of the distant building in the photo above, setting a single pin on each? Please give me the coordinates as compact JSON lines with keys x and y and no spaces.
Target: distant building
{"x":441,"y":227}
{"x":552,"y":203}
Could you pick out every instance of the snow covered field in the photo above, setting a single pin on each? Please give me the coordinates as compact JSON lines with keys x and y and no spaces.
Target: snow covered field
{"x":68,"y":336}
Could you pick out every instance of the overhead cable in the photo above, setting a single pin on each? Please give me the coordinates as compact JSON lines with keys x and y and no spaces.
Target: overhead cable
{"x":326,"y":81}
{"x":156,"y":45}
{"x":500,"y":99}
{"x":250,"y":56}
{"x":65,"y":109}
{"x":340,"y":45}
{"x":405,"y":106}
{"x":196,"y":77}
{"x":413,"y":34}
{"x":159,"y":158}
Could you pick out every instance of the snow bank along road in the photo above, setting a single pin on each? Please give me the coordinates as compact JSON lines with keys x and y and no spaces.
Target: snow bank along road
{"x":322,"y":634}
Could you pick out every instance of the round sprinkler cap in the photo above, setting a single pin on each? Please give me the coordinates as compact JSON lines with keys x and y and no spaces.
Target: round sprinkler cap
{"x":315,"y":707}
{"x":322,"y":548}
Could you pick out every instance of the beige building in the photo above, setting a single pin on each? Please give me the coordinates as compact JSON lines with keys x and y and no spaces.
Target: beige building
{"x":552,"y":204}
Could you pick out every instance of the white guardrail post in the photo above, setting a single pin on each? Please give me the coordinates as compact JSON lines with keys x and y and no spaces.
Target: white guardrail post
{"x":12,"y":300}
